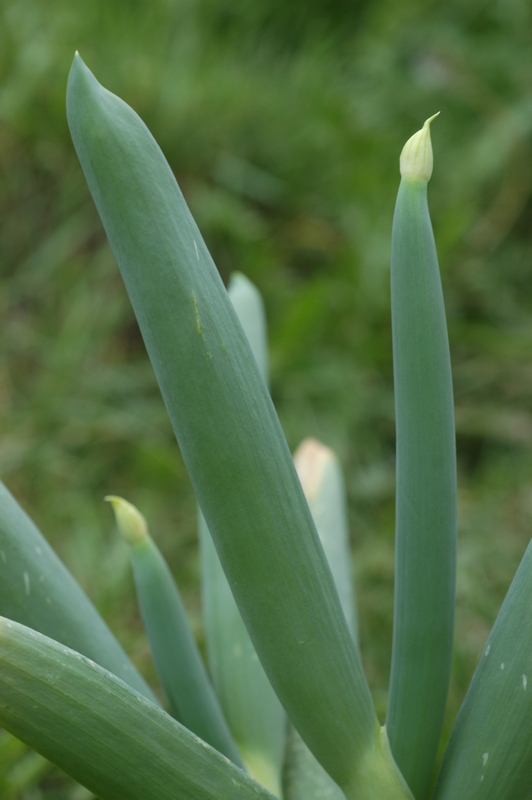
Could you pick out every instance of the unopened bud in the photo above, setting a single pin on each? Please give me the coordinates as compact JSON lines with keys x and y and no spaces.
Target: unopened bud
{"x":416,"y":159}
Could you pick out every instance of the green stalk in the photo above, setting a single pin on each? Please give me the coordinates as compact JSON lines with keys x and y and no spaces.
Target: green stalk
{"x":37,"y":590}
{"x":489,"y":755}
{"x":190,"y":696}
{"x":426,"y":480}
{"x":103,"y":733}
{"x":231,"y":442}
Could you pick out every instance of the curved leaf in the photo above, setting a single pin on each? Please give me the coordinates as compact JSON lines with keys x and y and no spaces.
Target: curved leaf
{"x":103,"y":733}
{"x":191,"y":698}
{"x":489,"y":755}
{"x":252,"y":708}
{"x":230,"y":439}
{"x":37,"y":590}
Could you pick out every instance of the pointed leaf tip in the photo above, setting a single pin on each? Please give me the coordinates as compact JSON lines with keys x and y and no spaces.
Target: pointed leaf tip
{"x":416,"y":159}
{"x":130,"y":521}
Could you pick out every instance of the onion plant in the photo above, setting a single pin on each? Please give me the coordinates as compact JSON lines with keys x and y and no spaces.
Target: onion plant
{"x":282,"y":707}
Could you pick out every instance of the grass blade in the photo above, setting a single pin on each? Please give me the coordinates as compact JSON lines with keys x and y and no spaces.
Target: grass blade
{"x":190,"y":696}
{"x":37,"y":590}
{"x":103,"y":733}
{"x":426,"y":481}
{"x":231,"y":440}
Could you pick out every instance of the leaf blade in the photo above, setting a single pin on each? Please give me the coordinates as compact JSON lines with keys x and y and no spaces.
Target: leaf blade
{"x":37,"y":590}
{"x":103,"y":733}
{"x":179,"y":666}
{"x":252,"y":708}
{"x":228,"y":432}
{"x":489,"y":754}
{"x":425,"y":490}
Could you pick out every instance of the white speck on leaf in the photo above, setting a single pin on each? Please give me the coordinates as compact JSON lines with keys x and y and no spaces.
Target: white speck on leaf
{"x":502,"y":665}
{"x":485,"y":757}
{"x":481,"y":778}
{"x":27,"y":584}
{"x":196,"y":249}
{"x":525,"y":681}
{"x":488,"y":648}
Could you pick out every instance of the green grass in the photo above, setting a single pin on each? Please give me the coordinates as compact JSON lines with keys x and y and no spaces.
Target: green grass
{"x":284,"y":134}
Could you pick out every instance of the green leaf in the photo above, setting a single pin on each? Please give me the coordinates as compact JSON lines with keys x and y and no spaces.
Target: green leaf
{"x":191,"y":698}
{"x":323,"y":484}
{"x":247,"y":302}
{"x":37,"y":590}
{"x":103,"y":733}
{"x":426,"y":481}
{"x":304,"y":778}
{"x":251,"y":707}
{"x":322,"y":481}
{"x":230,"y":439}
{"x":255,"y":715}
{"x":489,"y":755}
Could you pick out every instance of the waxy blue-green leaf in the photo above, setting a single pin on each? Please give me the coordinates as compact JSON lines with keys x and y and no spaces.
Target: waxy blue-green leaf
{"x":425,"y":563}
{"x":303,"y":777}
{"x":249,"y":307}
{"x":323,"y":484}
{"x":103,"y":733}
{"x":231,"y":440}
{"x":191,"y":698}
{"x":489,"y":755}
{"x":322,"y":481}
{"x":252,"y":709}
{"x":37,"y":590}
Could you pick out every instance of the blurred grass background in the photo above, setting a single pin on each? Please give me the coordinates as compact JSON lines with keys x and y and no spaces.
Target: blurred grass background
{"x":283,"y":123}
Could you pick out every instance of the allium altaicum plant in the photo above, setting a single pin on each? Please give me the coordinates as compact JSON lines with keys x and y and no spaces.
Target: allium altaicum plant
{"x":284,"y":708}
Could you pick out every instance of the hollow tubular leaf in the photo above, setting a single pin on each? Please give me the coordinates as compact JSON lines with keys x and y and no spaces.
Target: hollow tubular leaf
{"x":322,"y":481}
{"x":229,"y":435}
{"x":252,"y":709}
{"x":323,"y":484}
{"x":37,"y":590}
{"x":426,"y":483}
{"x":489,"y":755}
{"x":303,"y":777}
{"x":103,"y":733}
{"x":247,"y":302}
{"x":191,"y":698}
